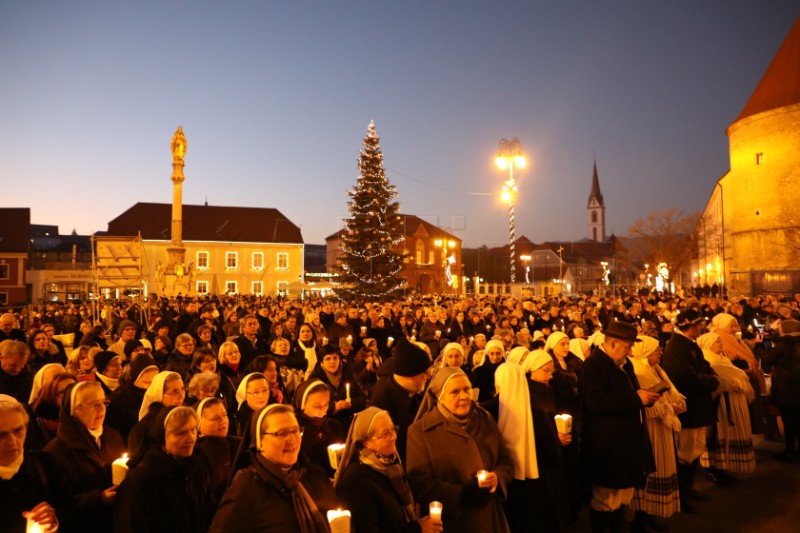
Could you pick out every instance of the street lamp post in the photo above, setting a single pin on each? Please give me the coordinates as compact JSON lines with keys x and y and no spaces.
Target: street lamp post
{"x":510,"y":155}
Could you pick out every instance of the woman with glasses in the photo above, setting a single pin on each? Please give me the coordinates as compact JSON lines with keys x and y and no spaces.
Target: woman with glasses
{"x":312,"y":404}
{"x":169,"y":490}
{"x":276,"y":492}
{"x":84,"y":450}
{"x":347,"y":396}
{"x":251,"y":396}
{"x":371,"y":481}
{"x":166,"y":390}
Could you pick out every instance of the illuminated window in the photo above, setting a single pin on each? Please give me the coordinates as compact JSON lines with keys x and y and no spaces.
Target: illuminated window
{"x":759,"y":158}
{"x":202,"y":287}
{"x":231,"y":287}
{"x":419,"y":247}
{"x":202,"y":260}
{"x":231,"y":260}
{"x":258,"y":287}
{"x":283,"y":261}
{"x":283,"y":287}
{"x":258,"y":260}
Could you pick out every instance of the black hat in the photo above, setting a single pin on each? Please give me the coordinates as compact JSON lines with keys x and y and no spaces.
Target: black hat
{"x":410,"y":360}
{"x":102,"y":359}
{"x":139,"y":364}
{"x":130,"y":346}
{"x":622,"y":330}
{"x":688,"y":318}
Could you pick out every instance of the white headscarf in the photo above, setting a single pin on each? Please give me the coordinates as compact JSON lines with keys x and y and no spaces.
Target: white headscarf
{"x":554,"y":339}
{"x":39,"y":378}
{"x":450,"y":346}
{"x":241,"y":391}
{"x":732,"y":378}
{"x":155,"y":392}
{"x":516,"y":354}
{"x":579,"y":347}
{"x":489,"y":345}
{"x":536,"y":360}
{"x":515,"y":420}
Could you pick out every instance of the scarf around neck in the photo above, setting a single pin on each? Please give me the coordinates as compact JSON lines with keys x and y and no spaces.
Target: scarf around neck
{"x":393,"y":469}
{"x":310,"y":352}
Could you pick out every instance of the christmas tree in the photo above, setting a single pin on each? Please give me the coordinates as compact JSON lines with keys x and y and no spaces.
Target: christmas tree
{"x":369,"y":265}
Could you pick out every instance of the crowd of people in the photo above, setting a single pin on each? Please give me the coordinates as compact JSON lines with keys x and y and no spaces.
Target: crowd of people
{"x":230,"y":414}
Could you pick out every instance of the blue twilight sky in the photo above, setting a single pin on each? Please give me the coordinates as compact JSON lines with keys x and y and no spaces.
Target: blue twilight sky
{"x":275,"y":98}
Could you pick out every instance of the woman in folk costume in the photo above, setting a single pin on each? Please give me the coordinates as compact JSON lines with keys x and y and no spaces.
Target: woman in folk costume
{"x":726,"y":326}
{"x":515,"y":422}
{"x":450,"y":442}
{"x":371,"y":481}
{"x":730,"y":444}
{"x":659,"y":497}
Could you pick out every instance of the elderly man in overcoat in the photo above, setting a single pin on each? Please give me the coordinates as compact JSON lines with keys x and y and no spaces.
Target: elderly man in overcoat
{"x":616,"y":444}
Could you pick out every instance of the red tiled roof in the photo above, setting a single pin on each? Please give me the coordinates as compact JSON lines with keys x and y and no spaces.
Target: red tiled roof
{"x":207,"y":223}
{"x":780,"y":85}
{"x":412,"y":224}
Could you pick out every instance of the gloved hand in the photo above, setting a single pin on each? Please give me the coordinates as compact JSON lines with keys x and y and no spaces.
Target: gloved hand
{"x":472,"y":495}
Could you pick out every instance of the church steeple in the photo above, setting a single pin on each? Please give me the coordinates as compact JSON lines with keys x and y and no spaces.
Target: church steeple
{"x":596,"y":210}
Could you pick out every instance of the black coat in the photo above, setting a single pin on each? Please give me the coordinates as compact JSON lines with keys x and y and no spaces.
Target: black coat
{"x":38,"y":479}
{"x":249,"y":351}
{"x":372,"y":501}
{"x":164,"y":494}
{"x":401,"y":405}
{"x":692,"y":375}
{"x":87,"y":469}
{"x":258,"y":501}
{"x":19,"y":386}
{"x":785,"y":360}
{"x":615,"y":443}
{"x":318,"y":434}
{"x":123,"y":411}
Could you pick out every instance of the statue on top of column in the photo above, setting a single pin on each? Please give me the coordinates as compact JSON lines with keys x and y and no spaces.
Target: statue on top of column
{"x":178,"y":144}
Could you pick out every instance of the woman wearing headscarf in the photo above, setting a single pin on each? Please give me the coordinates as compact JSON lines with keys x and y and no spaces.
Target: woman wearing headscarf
{"x":166,"y":390}
{"x":311,"y":401}
{"x":730,"y":443}
{"x":515,"y":422}
{"x":740,"y":354}
{"x":277,"y":492}
{"x":84,"y":450}
{"x":252,"y":395}
{"x":659,"y":497}
{"x":483,"y":375}
{"x":371,"y":481}
{"x":517,"y":355}
{"x":123,"y":411}
{"x":31,"y":485}
{"x":551,"y":501}
{"x":43,"y":410}
{"x":450,"y":442}
{"x":215,"y":445}
{"x":340,"y":379}
{"x":169,"y":490}
{"x":108,"y":370}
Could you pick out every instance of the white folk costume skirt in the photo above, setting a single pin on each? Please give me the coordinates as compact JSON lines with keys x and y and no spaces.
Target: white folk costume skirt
{"x":659,"y":496}
{"x":730,"y":441}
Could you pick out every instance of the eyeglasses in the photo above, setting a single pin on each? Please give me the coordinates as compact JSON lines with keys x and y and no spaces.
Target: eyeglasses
{"x":387,"y":435}
{"x":284,"y":434}
{"x":95,"y":405}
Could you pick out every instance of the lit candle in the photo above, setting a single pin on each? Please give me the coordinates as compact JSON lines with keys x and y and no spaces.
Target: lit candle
{"x":119,"y":469}
{"x":347,"y":388}
{"x":350,"y":339}
{"x":482,"y":475}
{"x":472,"y":340}
{"x":363,"y":329}
{"x":438,"y":333}
{"x":389,"y":341}
{"x":435,"y":510}
{"x":324,"y":341}
{"x":488,"y":327}
{"x":564,"y":423}
{"x":335,"y":452}
{"x":339,"y":520}
{"x":33,"y":527}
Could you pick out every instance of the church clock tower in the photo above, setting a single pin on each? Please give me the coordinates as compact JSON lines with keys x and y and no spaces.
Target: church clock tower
{"x":596,"y":210}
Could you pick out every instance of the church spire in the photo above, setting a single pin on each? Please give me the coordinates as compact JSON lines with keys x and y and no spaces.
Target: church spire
{"x":596,"y":210}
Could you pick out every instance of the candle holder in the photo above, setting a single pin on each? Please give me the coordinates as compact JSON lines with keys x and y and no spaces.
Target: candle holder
{"x":564,"y":423}
{"x":335,"y":452}
{"x":482,"y":475}
{"x":339,"y":520}
{"x":119,"y":469}
{"x":435,"y":510}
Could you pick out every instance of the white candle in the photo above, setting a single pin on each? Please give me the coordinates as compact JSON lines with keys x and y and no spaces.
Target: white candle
{"x":363,"y":329}
{"x":339,"y":520}
{"x":335,"y":452}
{"x":389,"y":341}
{"x":347,"y":388}
{"x":33,"y":527}
{"x":435,"y":510}
{"x":324,"y":341}
{"x":564,"y":423}
{"x":119,"y":469}
{"x":350,"y":339}
{"x":482,"y":475}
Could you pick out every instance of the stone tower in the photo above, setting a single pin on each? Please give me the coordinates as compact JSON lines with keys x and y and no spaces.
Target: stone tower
{"x":596,"y":210}
{"x":176,"y":268}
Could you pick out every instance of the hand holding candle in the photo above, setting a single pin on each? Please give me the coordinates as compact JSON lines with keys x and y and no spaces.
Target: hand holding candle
{"x":435,"y":510}
{"x":339,"y":520}
{"x":347,"y":389}
{"x":487,"y":480}
{"x":335,"y":452}
{"x":564,"y":423}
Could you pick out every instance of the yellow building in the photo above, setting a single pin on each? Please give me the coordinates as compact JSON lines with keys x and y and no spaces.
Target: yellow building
{"x":749,"y":235}
{"x":237,"y":250}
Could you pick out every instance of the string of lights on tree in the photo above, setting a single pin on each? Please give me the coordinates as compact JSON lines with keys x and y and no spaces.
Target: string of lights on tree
{"x":369,"y":264}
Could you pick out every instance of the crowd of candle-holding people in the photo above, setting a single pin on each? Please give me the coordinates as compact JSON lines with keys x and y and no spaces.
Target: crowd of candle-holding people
{"x":230,"y":414}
